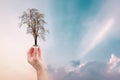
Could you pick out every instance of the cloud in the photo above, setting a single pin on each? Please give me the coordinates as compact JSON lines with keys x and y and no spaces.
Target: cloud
{"x":99,"y":27}
{"x":75,"y":63}
{"x":113,"y":62}
{"x":100,"y":35}
{"x":89,"y":71}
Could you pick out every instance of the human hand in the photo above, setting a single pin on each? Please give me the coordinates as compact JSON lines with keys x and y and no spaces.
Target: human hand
{"x":35,"y":58}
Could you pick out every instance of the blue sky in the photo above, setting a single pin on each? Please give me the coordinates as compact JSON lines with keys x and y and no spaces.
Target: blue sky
{"x":69,"y":17}
{"x":75,"y":19}
{"x":84,"y":34}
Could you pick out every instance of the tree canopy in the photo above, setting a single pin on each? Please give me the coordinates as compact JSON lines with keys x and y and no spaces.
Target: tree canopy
{"x":35,"y":23}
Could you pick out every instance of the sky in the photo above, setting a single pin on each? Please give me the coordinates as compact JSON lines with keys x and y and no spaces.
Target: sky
{"x":83,"y":43}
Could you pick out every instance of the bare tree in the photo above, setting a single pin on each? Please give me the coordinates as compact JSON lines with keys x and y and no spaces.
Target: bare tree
{"x":35,"y":23}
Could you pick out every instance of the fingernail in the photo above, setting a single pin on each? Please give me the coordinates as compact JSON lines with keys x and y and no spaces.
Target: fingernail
{"x":39,"y":52}
{"x":38,"y":49}
{"x":32,"y":49}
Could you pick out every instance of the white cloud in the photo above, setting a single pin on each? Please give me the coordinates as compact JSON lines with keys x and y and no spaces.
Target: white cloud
{"x":113,"y":62}
{"x":99,"y":27}
{"x":87,"y":71}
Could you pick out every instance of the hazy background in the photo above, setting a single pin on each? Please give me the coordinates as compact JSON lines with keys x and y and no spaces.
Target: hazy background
{"x":83,"y":44}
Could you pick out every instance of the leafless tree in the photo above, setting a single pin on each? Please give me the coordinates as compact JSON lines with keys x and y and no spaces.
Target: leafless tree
{"x":35,"y":23}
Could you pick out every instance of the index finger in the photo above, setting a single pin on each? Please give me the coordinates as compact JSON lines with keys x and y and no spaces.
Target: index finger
{"x":30,"y":52}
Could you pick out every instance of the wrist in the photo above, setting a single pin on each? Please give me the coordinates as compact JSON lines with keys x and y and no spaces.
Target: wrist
{"x":42,"y":73}
{"x":41,"y":69}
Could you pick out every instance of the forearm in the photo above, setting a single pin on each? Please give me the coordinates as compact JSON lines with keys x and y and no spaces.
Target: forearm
{"x":42,"y":74}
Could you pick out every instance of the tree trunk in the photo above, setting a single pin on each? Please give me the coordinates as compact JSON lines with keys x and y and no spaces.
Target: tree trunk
{"x":36,"y":41}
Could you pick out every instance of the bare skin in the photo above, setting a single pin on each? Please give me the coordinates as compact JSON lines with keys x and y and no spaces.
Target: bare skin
{"x":35,"y":59}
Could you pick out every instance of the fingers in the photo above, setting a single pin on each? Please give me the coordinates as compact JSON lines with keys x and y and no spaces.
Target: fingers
{"x":30,"y":52}
{"x":39,"y":52}
{"x":34,"y":52}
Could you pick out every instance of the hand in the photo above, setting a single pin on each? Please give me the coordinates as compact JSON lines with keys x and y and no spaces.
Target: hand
{"x":35,"y":58}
